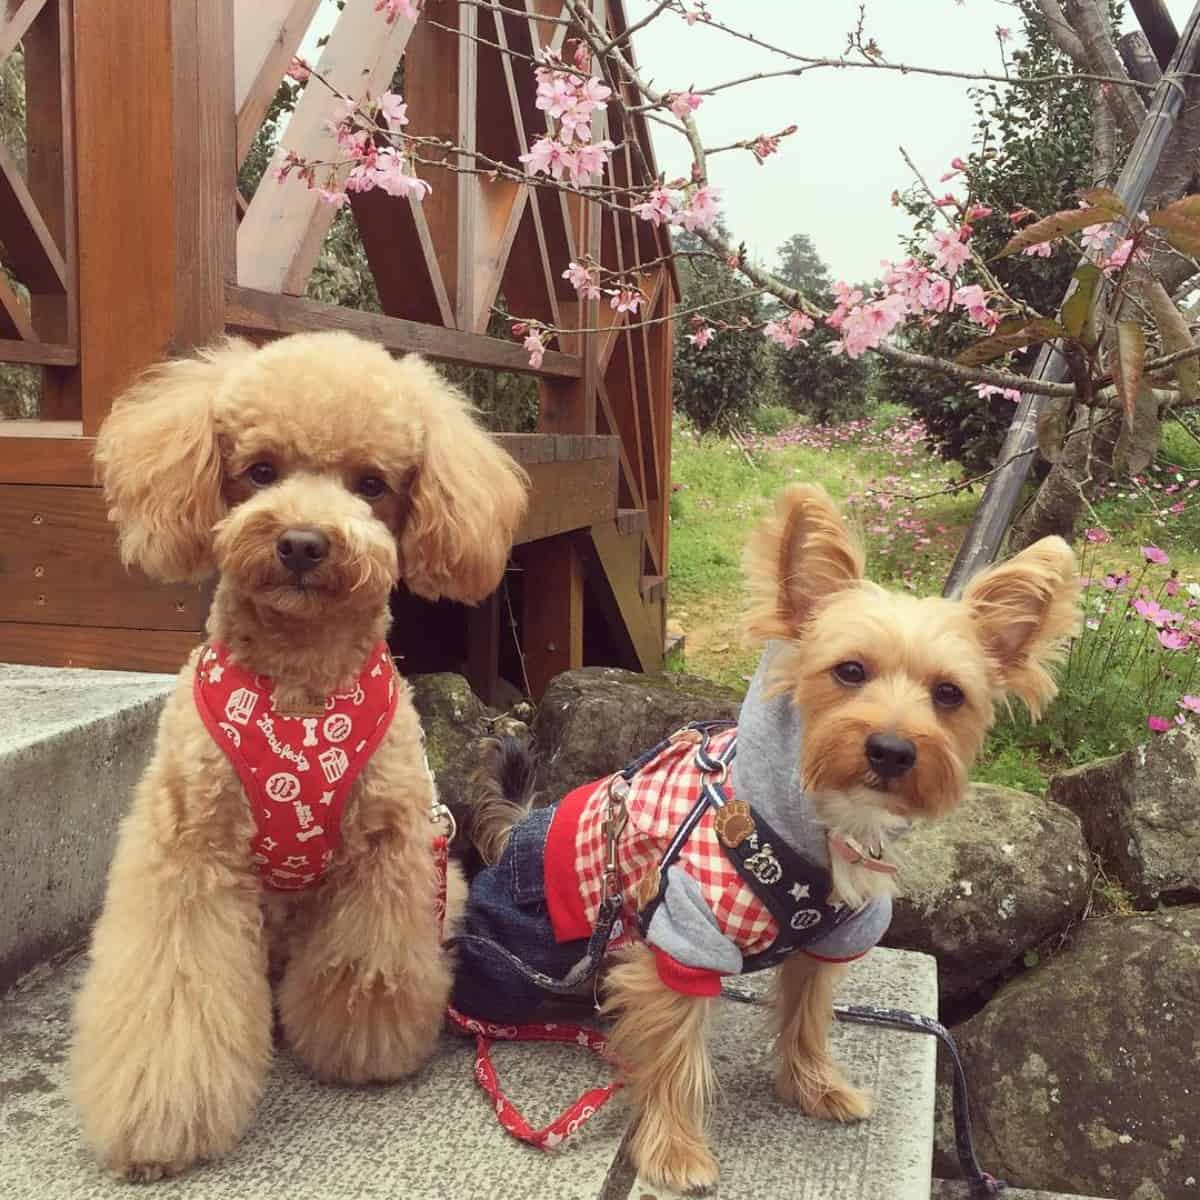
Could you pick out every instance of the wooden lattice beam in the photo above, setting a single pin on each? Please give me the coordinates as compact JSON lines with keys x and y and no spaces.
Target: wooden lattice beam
{"x":28,"y":242}
{"x":15,"y":20}
{"x":280,"y":236}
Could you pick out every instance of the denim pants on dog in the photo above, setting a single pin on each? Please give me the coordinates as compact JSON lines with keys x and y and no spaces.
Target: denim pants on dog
{"x":507,"y":905}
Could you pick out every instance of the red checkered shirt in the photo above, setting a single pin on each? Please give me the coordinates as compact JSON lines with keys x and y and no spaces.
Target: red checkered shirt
{"x":661,"y":795}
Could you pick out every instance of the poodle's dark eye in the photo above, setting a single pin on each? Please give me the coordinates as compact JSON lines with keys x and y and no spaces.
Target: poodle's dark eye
{"x":850,"y":673}
{"x":370,"y":487}
{"x":948,"y":695}
{"x":263,"y":474}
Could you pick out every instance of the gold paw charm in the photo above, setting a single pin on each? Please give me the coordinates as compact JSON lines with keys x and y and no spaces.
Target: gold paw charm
{"x":734,"y":823}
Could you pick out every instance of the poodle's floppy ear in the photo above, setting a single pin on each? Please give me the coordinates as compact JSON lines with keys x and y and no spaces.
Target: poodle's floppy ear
{"x":467,"y":499}
{"x":797,"y":557}
{"x":1024,"y":611}
{"x":158,"y":460}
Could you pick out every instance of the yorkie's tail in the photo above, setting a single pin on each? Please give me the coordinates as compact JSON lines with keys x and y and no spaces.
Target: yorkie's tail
{"x":503,"y":793}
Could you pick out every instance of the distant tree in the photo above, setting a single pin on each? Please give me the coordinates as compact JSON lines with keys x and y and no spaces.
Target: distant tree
{"x":809,"y":378}
{"x":719,"y":384}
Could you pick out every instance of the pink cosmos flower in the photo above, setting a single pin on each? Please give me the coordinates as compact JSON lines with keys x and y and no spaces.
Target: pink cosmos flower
{"x":1097,"y":534}
{"x":701,"y":337}
{"x":394,"y":110}
{"x":1171,"y":587}
{"x":683,"y":104}
{"x":1190,"y":703}
{"x":535,"y":347}
{"x":948,"y":249}
{"x":1172,"y":639}
{"x":1158,"y":724}
{"x":1152,"y":554}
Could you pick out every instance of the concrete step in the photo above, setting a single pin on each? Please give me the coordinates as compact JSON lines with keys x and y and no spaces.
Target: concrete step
{"x":956,"y":1189}
{"x":72,"y":745}
{"x":435,"y":1138}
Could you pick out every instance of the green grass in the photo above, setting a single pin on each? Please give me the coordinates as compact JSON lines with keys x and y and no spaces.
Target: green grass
{"x":1117,"y":673}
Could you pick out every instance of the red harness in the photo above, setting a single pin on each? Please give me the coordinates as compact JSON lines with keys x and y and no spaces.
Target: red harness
{"x":296,"y":768}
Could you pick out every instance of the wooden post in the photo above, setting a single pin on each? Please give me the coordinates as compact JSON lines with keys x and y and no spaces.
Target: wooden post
{"x":552,"y":609}
{"x":483,"y":648}
{"x":155,"y":187}
{"x":995,"y":510}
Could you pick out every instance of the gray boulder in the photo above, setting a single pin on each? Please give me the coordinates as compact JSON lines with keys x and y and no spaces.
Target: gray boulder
{"x":1141,"y":812}
{"x":593,"y":721}
{"x":1082,"y":1073}
{"x":980,"y":887}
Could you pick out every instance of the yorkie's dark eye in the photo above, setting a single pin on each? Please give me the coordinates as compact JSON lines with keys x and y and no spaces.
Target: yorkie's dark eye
{"x":263,"y":474}
{"x":948,"y":695}
{"x":370,"y":487}
{"x":850,"y":673}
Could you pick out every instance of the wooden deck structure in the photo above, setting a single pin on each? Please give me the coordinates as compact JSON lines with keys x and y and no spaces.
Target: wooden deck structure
{"x":128,"y":231}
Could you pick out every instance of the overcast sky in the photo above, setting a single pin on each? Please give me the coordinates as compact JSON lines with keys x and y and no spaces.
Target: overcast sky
{"x":833,"y":178}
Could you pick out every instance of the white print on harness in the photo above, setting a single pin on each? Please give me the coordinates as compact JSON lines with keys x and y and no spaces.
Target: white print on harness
{"x":215,"y":672}
{"x":764,"y":866}
{"x":281,"y":749}
{"x":799,"y":891}
{"x":337,"y":728}
{"x":309,"y":834}
{"x":334,"y":763}
{"x":296,"y":860}
{"x":806,"y":918}
{"x":240,"y":706}
{"x":377,"y":670}
{"x":283,"y":787}
{"x":232,"y":733}
{"x":327,"y":798}
{"x":355,"y":697}
{"x":303,"y":816}
{"x":310,"y":731}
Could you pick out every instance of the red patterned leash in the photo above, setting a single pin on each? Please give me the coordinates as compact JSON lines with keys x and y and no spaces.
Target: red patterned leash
{"x":561,"y":1127}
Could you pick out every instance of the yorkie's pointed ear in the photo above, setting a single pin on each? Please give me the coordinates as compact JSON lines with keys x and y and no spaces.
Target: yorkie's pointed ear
{"x":1025,"y":611}
{"x":158,"y":459}
{"x":799,"y":556}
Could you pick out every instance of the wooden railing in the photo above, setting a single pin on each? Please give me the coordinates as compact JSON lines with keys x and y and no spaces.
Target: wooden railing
{"x":125,"y":238}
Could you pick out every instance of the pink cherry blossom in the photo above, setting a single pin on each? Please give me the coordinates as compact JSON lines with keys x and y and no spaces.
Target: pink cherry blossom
{"x":1019,"y":215}
{"x":535,"y":347}
{"x":548,"y":156}
{"x":1152,"y":554}
{"x":394,"y":110}
{"x":1041,"y":250}
{"x":660,"y":208}
{"x":977,"y":212}
{"x":984,"y":390}
{"x":589,"y":161}
{"x":332,"y":196}
{"x":683,"y":104}
{"x":583,"y":281}
{"x":392,"y":177}
{"x":398,"y":8}
{"x":298,"y":70}
{"x":948,"y":249}
{"x":701,"y":209}
{"x":701,"y":337}
{"x":1003,"y":33}
{"x":1094,"y":236}
{"x":625,"y":300}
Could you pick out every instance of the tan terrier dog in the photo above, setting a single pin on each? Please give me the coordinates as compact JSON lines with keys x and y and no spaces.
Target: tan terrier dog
{"x":288,"y":813}
{"x":866,"y":713}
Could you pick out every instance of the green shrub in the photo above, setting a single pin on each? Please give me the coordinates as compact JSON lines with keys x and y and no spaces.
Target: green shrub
{"x":770,"y":419}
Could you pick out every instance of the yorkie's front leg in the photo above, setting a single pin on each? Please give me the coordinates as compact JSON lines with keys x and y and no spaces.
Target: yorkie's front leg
{"x":660,"y":1042}
{"x":806,"y":1075}
{"x":365,"y":992}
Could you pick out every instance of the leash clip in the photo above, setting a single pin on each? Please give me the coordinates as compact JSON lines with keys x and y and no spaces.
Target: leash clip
{"x":615,"y":820}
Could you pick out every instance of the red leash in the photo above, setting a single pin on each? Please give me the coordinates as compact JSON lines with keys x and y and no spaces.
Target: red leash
{"x":485,"y":1033}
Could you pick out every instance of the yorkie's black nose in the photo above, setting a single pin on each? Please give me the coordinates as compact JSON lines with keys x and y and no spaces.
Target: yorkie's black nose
{"x":890,"y":755}
{"x":300,"y":550}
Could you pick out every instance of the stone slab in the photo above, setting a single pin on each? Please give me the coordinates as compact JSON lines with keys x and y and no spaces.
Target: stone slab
{"x":72,"y":746}
{"x":435,"y":1138}
{"x":956,"y":1189}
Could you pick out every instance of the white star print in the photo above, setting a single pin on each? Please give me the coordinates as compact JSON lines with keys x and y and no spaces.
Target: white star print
{"x":215,"y":672}
{"x":799,"y":891}
{"x":296,"y":860}
{"x":269,"y":843}
{"x":326,"y":798}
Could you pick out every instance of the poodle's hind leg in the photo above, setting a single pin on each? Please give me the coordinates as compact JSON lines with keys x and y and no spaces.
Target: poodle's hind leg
{"x":173,"y":1024}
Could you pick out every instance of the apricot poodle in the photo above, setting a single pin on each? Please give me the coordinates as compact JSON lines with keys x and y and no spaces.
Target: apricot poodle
{"x":310,"y":477}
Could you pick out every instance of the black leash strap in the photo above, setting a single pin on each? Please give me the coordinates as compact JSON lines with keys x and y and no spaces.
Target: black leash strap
{"x":979,"y":1182}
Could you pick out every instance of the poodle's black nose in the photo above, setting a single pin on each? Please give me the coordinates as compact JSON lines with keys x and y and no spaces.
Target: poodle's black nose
{"x":301,"y":549}
{"x":890,"y":755}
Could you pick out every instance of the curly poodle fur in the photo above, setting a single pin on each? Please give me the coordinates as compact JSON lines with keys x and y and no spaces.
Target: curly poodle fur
{"x":205,"y":462}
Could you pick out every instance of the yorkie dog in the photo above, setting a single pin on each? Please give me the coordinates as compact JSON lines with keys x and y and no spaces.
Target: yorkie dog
{"x":866,"y":712}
